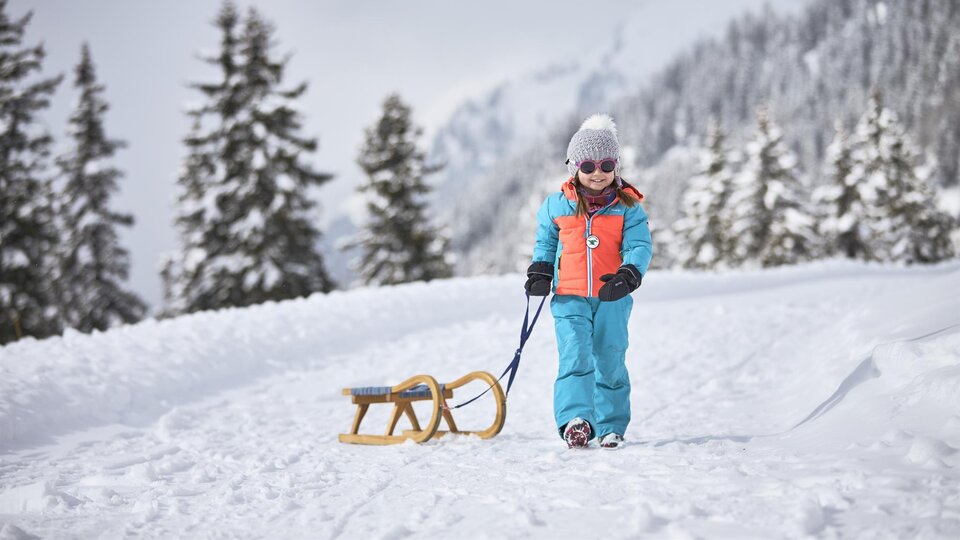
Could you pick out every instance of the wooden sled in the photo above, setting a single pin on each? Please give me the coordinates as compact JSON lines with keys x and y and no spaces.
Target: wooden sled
{"x":419,"y":388}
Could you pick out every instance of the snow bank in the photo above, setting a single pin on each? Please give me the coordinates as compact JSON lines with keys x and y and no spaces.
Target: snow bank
{"x":820,"y":400}
{"x":134,"y":373}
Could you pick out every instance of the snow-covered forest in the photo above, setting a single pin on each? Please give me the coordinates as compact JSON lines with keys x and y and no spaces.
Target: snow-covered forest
{"x":60,"y":262}
{"x":794,"y":350}
{"x":829,"y":66}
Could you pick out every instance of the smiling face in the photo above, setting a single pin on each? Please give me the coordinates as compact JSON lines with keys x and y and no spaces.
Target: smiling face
{"x":596,"y":181}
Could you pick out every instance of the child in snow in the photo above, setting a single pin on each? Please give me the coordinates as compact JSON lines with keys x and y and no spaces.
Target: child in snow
{"x":593,"y":248}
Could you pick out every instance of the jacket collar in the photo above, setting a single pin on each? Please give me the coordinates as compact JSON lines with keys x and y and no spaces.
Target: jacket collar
{"x":570,"y":191}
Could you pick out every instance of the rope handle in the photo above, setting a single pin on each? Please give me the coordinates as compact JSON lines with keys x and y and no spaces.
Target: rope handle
{"x":515,"y":363}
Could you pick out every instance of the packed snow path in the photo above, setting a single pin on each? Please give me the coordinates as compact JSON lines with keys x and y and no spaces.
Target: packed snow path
{"x":820,"y":400}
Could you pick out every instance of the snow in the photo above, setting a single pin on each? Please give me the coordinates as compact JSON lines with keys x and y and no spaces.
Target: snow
{"x":252,"y":223}
{"x":949,"y":201}
{"x":93,"y":166}
{"x":285,"y":183}
{"x":881,"y":12}
{"x":14,"y":258}
{"x":811,"y":59}
{"x":821,"y":399}
{"x":194,"y":257}
{"x":794,"y":220}
{"x":259,"y":159}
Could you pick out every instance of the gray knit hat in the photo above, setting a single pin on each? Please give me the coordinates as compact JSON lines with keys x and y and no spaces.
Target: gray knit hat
{"x":596,"y":140}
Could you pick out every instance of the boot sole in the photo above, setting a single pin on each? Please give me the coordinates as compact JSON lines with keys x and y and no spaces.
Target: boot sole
{"x":578,"y":437}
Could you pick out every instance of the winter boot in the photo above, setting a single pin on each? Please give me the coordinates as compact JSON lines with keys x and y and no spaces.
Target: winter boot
{"x":577,"y":433}
{"x":611,"y":441}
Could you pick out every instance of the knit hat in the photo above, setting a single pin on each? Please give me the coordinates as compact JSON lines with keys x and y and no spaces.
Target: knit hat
{"x":596,"y":140}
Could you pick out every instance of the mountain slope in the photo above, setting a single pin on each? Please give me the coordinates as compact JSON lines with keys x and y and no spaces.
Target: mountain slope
{"x":812,"y":68}
{"x":820,"y":399}
{"x":521,"y":127}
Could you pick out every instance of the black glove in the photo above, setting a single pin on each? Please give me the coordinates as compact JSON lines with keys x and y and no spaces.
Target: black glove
{"x":539,"y":279}
{"x":618,"y":285}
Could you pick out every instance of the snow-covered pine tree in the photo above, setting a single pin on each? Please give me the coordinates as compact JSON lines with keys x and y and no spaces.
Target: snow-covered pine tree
{"x":185,"y":275}
{"x":180,"y":268}
{"x":28,"y":297}
{"x":93,"y":264}
{"x":245,"y":214}
{"x":770,"y":216}
{"x":665,"y":247}
{"x":841,"y":201}
{"x":703,"y":233}
{"x":904,"y":222}
{"x":398,"y":244}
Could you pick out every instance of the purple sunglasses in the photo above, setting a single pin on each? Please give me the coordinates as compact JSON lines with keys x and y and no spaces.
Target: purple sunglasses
{"x":587,"y":166}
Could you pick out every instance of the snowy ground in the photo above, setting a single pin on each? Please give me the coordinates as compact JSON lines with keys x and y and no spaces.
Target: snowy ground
{"x":821,"y":400}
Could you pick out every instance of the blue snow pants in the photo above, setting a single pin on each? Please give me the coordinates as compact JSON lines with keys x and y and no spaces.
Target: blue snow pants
{"x":592,"y":381}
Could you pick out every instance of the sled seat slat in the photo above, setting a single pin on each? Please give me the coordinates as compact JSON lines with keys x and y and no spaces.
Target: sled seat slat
{"x":420,"y":390}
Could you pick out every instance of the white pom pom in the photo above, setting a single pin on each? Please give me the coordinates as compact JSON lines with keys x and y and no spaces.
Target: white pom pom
{"x":600,"y":121}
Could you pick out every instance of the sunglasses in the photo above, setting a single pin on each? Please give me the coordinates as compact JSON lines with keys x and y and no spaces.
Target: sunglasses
{"x":587,"y":166}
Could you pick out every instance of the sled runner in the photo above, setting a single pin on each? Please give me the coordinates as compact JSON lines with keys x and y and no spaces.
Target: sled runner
{"x":419,"y":388}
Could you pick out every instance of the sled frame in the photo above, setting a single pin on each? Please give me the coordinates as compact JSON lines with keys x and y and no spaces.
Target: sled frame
{"x":403,"y":405}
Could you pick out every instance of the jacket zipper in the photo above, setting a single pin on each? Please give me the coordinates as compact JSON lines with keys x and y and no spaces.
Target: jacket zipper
{"x":589,"y":220}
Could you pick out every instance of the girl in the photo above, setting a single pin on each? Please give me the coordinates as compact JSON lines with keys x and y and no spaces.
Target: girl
{"x":593,"y":248}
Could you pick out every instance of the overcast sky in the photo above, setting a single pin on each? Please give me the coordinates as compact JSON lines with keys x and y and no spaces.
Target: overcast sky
{"x":353,"y":53}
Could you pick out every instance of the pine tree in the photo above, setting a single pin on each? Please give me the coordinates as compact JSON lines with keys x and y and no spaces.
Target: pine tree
{"x":179,"y":268}
{"x":245,"y":214}
{"x":93,"y":263}
{"x":771,"y":223}
{"x":665,"y":245}
{"x":840,"y":200}
{"x":398,"y":244}
{"x":904,"y":223}
{"x":185,"y":276}
{"x":843,"y":229}
{"x":28,"y":295}
{"x":703,"y":232}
